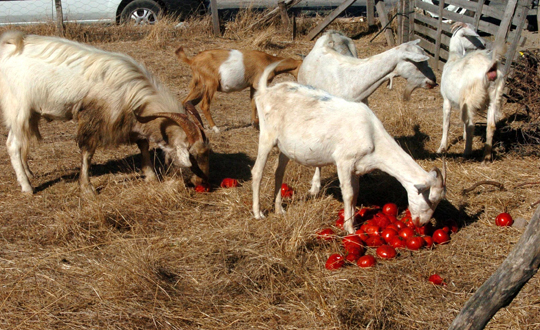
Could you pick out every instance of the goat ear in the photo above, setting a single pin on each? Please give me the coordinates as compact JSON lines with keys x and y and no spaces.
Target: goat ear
{"x":421,"y":188}
{"x":414,"y":42}
{"x":416,"y":57}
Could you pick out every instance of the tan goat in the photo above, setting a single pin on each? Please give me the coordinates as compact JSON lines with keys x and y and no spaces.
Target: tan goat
{"x":230,"y":71}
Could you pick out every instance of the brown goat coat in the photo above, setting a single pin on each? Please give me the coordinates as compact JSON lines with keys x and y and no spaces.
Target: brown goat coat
{"x":206,"y":79}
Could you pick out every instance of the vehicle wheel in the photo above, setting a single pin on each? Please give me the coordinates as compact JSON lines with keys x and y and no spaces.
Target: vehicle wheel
{"x":140,"y":12}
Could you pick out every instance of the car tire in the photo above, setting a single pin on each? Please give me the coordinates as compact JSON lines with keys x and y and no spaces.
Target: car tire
{"x":140,"y":12}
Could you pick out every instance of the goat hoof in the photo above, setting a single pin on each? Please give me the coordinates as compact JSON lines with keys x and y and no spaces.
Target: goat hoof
{"x":215,"y":129}
{"x":259,"y":216}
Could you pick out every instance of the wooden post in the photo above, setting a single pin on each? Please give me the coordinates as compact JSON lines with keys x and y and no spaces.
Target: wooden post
{"x":411,"y":19}
{"x":439,"y":33}
{"x":333,"y":15}
{"x":523,"y":9}
{"x":505,"y":22}
{"x":478,"y":13}
{"x":215,"y":17}
{"x":501,"y":288}
{"x":383,"y":17}
{"x":59,"y":18}
{"x":400,"y":12}
{"x":370,"y":12}
{"x":405,"y":22}
{"x":284,"y":15}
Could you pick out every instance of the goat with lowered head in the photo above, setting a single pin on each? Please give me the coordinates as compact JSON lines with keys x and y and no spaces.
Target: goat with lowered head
{"x":330,"y":67}
{"x":229,"y":71}
{"x":114,"y":100}
{"x":315,"y":128}
{"x":472,"y":82}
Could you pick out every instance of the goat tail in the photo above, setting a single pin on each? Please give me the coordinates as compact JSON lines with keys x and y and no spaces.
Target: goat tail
{"x":263,"y":80}
{"x":182,"y":56}
{"x":15,"y":38}
{"x":493,"y":73}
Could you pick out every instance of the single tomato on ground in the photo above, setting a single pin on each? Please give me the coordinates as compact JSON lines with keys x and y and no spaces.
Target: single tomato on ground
{"x":229,"y":183}
{"x":366,"y":261}
{"x":504,"y":220}
{"x":415,"y":243}
{"x":440,"y":236}
{"x":335,"y":261}
{"x":436,"y":279}
{"x":286,"y":191}
{"x":386,"y":252}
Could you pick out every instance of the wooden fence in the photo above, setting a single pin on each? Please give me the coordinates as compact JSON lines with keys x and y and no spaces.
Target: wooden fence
{"x":432,"y":24}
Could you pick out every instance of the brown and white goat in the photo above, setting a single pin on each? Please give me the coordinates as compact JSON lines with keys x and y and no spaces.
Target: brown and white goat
{"x":230,"y":71}
{"x":113,"y":98}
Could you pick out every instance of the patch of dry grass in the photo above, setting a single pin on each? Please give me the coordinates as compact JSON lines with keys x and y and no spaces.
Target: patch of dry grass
{"x":144,"y":256}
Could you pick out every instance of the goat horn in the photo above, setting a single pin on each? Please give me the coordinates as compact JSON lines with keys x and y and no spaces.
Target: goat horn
{"x":193,"y":111}
{"x":193,"y":133}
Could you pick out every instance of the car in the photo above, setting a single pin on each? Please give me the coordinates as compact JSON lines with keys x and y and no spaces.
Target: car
{"x":137,"y":12}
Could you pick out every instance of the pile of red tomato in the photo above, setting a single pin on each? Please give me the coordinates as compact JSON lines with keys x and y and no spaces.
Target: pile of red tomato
{"x":382,"y":231}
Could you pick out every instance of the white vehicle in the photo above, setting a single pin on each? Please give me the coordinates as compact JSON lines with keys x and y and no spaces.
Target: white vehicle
{"x":96,"y":11}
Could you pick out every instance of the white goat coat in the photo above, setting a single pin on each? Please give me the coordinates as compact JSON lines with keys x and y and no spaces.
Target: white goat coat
{"x":315,"y":128}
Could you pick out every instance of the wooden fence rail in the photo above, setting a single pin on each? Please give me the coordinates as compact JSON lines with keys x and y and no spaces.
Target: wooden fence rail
{"x":432,"y":24}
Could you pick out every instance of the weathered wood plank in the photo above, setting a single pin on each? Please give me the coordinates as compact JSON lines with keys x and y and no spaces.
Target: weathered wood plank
{"x":383,"y":17}
{"x":505,"y":23}
{"x":488,"y":27}
{"x":511,"y":53}
{"x":215,"y":17}
{"x":330,"y":18}
{"x":478,"y":13}
{"x":438,"y":33}
{"x":501,"y":288}
{"x":370,"y":12}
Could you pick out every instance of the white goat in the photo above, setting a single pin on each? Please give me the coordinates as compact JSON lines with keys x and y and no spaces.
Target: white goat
{"x":471,"y":82}
{"x":356,"y":79}
{"x":315,"y":128}
{"x":114,"y":99}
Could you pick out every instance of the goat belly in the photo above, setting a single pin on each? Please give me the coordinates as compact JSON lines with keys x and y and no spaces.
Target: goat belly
{"x":306,"y":155}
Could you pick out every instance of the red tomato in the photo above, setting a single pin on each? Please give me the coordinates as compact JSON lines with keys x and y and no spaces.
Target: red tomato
{"x":353,"y":255}
{"x":229,"y":183}
{"x":339,"y":223}
{"x":363,"y":236}
{"x":415,"y":243}
{"x":427,"y":229}
{"x":374,"y":241}
{"x":452,"y":225}
{"x":400,"y":225}
{"x":406,"y":233}
{"x":335,"y":261}
{"x":388,"y":234}
{"x":440,"y":236}
{"x":436,"y":279}
{"x":391,"y":218}
{"x":341,"y":214}
{"x":326,"y":234}
{"x":373,"y":230}
{"x":446,"y":229}
{"x":390,"y":209}
{"x":386,"y":252}
{"x":429,"y":241}
{"x":366,"y":261}
{"x":504,"y":220}
{"x":397,"y":243}
{"x":381,"y":220}
{"x":408,"y":222}
{"x":352,"y":240}
{"x":202,"y":188}
{"x":286,"y":191}
{"x":362,"y":212}
{"x":393,"y":226}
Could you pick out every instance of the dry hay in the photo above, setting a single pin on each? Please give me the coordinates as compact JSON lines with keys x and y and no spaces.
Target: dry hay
{"x":142,"y":256}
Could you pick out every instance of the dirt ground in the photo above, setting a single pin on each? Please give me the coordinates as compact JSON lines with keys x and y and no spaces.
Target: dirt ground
{"x":159,"y":255}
